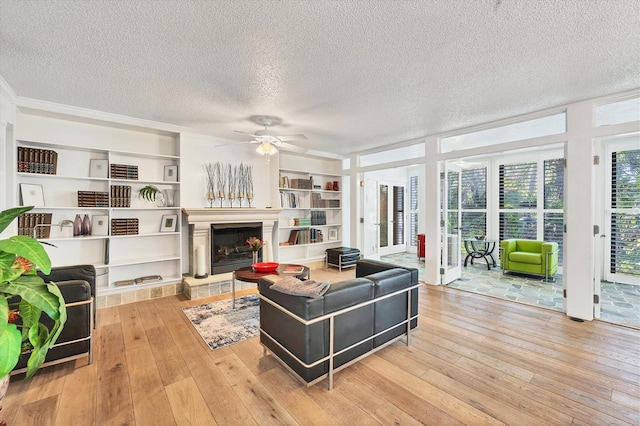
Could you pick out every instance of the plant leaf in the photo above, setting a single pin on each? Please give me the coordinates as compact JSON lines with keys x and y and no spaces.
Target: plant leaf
{"x":10,"y":345}
{"x":33,"y":290}
{"x":62,"y":314}
{"x":4,"y":314}
{"x":30,"y":315}
{"x":29,"y":248}
{"x":38,"y":335}
{"x":7,"y":216}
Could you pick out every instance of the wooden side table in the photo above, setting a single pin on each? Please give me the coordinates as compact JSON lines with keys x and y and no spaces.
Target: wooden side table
{"x":249,"y":275}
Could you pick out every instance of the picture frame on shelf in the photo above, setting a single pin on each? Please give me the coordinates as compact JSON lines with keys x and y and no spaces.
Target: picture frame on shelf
{"x":169,"y":223}
{"x":333,"y":234}
{"x":100,"y":225}
{"x":98,"y":168}
{"x":32,"y":195}
{"x":170,"y":173}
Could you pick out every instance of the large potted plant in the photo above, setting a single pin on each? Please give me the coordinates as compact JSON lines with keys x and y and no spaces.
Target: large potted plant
{"x":21,"y":331}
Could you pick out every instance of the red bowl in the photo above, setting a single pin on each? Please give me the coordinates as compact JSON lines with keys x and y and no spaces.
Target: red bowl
{"x":265,"y":266}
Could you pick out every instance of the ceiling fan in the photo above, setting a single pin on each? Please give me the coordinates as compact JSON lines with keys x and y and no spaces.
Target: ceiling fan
{"x":269,"y":140}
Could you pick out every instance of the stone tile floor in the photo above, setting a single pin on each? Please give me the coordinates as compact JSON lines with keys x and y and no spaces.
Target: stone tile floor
{"x":619,"y":303}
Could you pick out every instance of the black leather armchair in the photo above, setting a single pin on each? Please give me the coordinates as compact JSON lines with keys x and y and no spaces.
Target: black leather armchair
{"x":77,"y":285}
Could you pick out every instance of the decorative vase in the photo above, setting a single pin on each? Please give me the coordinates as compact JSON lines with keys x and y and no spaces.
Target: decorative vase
{"x":336,"y":186}
{"x":86,"y":225}
{"x":77,"y":226}
{"x":255,"y":257}
{"x":170,"y":197}
{"x":160,"y":200}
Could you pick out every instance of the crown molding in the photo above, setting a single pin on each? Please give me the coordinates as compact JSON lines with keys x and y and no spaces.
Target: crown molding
{"x":86,"y":113}
{"x":52,"y":107}
{"x":7,"y":91}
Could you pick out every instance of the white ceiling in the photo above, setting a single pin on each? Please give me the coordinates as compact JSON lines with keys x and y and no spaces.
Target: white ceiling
{"x":349,"y":74}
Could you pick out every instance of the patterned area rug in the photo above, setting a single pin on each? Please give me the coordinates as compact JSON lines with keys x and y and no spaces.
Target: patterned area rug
{"x":221,"y":326}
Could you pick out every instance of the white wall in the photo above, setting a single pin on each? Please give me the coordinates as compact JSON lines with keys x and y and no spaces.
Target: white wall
{"x":198,"y":150}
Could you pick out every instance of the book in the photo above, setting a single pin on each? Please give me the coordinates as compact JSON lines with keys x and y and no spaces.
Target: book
{"x":293,"y":269}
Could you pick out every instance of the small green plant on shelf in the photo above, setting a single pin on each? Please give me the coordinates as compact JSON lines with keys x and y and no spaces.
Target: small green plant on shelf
{"x":149,"y":193}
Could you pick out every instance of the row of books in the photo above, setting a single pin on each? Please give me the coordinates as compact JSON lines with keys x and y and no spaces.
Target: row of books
{"x":120,"y":196}
{"x":34,"y":160}
{"x":305,"y":236}
{"x":124,"y":226}
{"x":124,"y":171}
{"x":318,"y":203}
{"x":27,"y":222}
{"x":290,"y":200}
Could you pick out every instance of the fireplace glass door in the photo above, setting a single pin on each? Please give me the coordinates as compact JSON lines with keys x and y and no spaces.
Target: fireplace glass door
{"x":229,"y":248}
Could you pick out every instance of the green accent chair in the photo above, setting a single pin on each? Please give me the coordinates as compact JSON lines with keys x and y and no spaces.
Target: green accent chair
{"x":529,"y":257}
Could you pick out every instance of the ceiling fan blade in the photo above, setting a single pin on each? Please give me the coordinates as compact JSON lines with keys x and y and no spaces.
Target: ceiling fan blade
{"x":292,"y":137}
{"x":233,"y":143}
{"x":290,"y":147}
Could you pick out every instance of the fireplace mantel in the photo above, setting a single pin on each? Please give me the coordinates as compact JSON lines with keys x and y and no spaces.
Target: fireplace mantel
{"x":200,"y":220}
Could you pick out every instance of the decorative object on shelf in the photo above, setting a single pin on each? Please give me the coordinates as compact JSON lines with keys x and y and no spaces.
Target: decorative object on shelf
{"x":169,"y":197}
{"x":32,"y":195}
{"x":210,"y":170}
{"x":248,"y":179}
{"x":34,"y":160}
{"x":255,"y":244}
{"x":333,"y":234}
{"x":77,"y":226}
{"x":168,"y":223}
{"x":93,"y":199}
{"x":120,"y":196}
{"x":35,"y":225}
{"x":125,"y":226}
{"x":336,"y":186}
{"x":328,"y":186}
{"x":100,"y":225}
{"x":20,"y":256}
{"x":221,"y":178}
{"x":124,"y":171}
{"x":86,"y":225}
{"x":171,"y":173}
{"x":232,"y":183}
{"x":201,"y":264}
{"x":151,"y":193}
{"x":98,"y":168}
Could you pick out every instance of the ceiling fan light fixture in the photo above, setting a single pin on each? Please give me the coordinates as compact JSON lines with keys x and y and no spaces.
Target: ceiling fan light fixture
{"x":266,"y":148}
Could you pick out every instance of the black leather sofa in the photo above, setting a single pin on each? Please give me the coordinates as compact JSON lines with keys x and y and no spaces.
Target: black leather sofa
{"x":368,"y":313}
{"x":77,"y":285}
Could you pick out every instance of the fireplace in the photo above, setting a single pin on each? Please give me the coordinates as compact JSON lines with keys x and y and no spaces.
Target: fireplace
{"x":229,"y":248}
{"x":200,"y":221}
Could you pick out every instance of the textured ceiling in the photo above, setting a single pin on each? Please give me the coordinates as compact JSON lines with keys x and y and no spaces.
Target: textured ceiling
{"x":348,"y":74}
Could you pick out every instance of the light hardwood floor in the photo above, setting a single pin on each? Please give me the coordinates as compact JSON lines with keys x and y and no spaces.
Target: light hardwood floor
{"x":473,"y":360}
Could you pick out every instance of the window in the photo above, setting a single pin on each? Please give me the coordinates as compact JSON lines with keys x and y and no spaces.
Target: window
{"x":538,"y":127}
{"x":522,"y":201}
{"x":518,"y":200}
{"x":413,"y":215}
{"x":625,"y":217}
{"x":474,"y":202}
{"x":618,"y":112}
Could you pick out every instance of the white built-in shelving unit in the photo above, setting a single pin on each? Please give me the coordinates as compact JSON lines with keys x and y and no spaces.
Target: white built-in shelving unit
{"x":319,"y":202}
{"x":117,"y":258}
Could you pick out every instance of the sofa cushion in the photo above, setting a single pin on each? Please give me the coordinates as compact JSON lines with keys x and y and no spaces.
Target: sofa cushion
{"x":526,"y":257}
